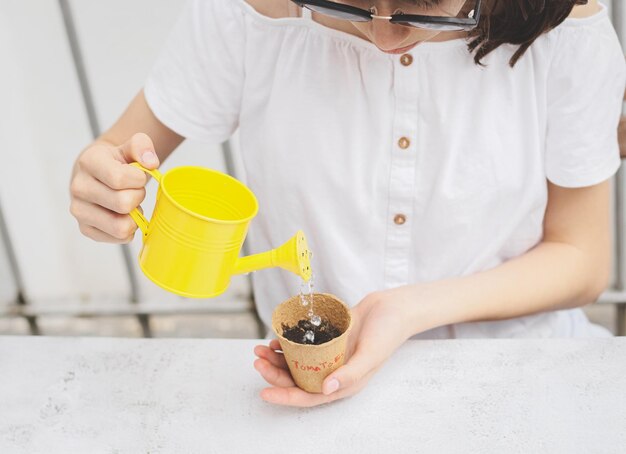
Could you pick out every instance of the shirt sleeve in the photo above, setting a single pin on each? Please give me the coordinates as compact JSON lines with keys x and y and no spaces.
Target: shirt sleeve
{"x":196,"y":83}
{"x":585,"y":90}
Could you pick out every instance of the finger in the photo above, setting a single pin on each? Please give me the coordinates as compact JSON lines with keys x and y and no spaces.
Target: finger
{"x":140,"y":149}
{"x":101,"y":164}
{"x":98,"y":235}
{"x":277,"y":359}
{"x":294,"y":397}
{"x":89,"y":189}
{"x":275,"y":376}
{"x":358,"y":366}
{"x":119,"y":226}
{"x":275,"y":345}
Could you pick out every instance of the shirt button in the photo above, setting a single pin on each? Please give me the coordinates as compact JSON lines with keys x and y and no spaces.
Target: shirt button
{"x":399,"y":219}
{"x":406,"y":59}
{"x":404,"y":143}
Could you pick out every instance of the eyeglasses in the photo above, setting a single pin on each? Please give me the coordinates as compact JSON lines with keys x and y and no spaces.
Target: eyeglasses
{"x":354,"y":14}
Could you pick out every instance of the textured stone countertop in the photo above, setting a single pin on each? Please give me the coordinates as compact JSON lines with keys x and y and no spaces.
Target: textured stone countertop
{"x":104,"y":395}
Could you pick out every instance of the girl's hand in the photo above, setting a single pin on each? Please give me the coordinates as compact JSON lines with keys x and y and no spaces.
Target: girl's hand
{"x":379,"y":328}
{"x":104,"y":189}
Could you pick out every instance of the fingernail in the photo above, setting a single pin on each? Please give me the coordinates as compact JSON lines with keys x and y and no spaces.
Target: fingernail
{"x":149,"y":158}
{"x":331,"y":386}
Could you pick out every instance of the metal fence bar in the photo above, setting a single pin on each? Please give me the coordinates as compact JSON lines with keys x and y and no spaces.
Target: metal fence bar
{"x":17,"y":276}
{"x":229,"y":161}
{"x":89,"y":104}
{"x":234,"y":305}
{"x":618,"y":11}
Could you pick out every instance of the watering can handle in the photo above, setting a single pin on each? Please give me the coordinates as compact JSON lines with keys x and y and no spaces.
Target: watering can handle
{"x":137,"y":216}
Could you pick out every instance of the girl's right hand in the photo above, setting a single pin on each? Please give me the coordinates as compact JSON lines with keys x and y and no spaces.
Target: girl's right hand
{"x":104,"y":188}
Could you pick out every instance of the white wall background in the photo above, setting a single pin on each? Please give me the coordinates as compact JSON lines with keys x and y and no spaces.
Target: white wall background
{"x":44,"y":125}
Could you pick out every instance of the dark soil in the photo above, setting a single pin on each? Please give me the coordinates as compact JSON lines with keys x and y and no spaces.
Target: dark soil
{"x":323,"y":333}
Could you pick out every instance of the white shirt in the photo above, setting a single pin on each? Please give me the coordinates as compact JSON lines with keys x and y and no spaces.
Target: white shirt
{"x":321,"y":114}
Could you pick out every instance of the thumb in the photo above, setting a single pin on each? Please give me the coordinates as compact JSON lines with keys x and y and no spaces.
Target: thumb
{"x":139,"y":148}
{"x":357,"y":367}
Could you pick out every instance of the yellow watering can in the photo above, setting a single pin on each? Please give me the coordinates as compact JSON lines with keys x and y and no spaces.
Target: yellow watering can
{"x":191,"y":245}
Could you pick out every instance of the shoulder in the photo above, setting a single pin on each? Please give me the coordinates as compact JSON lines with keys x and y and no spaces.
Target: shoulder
{"x":581,"y":11}
{"x":274,"y":9}
{"x":585,"y":54}
{"x":587,"y":27}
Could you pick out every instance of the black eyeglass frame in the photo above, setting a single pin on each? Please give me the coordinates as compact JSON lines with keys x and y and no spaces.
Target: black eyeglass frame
{"x":412,"y":20}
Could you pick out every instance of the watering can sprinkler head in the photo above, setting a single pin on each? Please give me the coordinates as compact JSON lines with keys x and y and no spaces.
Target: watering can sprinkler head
{"x":293,"y":256}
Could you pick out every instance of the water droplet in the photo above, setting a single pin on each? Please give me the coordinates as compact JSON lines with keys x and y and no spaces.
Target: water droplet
{"x":303,"y":299}
{"x":309,"y":336}
{"x":316,"y":320}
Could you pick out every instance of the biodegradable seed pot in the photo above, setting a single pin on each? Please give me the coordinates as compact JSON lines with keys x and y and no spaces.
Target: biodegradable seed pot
{"x":310,"y":364}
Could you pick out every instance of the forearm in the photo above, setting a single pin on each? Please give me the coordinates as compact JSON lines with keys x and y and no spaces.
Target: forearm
{"x":551,"y":276}
{"x":138,"y":118}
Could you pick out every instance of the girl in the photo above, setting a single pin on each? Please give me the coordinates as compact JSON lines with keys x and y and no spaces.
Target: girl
{"x":449,"y":160}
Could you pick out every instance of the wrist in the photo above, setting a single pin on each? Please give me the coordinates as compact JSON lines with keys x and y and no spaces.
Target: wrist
{"x":432,"y":305}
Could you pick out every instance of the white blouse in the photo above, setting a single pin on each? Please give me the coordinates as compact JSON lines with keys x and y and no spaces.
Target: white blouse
{"x":400,"y":169}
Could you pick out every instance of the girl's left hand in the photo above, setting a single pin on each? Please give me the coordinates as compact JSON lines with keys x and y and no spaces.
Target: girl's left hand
{"x":379,"y":327}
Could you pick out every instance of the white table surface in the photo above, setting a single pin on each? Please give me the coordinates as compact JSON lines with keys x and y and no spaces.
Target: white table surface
{"x":103,"y":395}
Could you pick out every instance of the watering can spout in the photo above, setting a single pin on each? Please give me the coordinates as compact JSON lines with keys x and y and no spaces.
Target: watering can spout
{"x":293,"y":256}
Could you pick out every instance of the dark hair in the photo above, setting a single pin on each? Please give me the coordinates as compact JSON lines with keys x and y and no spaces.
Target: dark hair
{"x":517,"y":22}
